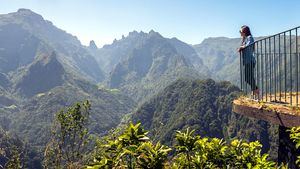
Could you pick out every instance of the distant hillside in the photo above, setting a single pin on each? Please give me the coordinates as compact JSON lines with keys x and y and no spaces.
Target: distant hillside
{"x":25,"y":34}
{"x":119,"y":50}
{"x":151,"y":65}
{"x":43,"y":88}
{"x":205,"y":106}
{"x":44,"y":69}
{"x":42,"y":75}
{"x":221,"y":57}
{"x":191,"y":56}
{"x":32,"y":118}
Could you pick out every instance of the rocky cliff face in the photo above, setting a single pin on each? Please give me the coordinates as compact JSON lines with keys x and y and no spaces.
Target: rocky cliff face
{"x":41,"y":76}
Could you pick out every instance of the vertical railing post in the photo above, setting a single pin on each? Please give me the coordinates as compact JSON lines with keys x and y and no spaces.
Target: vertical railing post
{"x":291,"y":70}
{"x":279,"y":67}
{"x":266,"y":70}
{"x":262,"y":71}
{"x":241,"y":71}
{"x":285,"y":55}
{"x":275,"y":77}
{"x":270,"y":69}
{"x":297,"y":78}
{"x":257,"y":65}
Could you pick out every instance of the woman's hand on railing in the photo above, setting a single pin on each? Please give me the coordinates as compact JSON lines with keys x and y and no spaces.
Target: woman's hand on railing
{"x":240,"y":48}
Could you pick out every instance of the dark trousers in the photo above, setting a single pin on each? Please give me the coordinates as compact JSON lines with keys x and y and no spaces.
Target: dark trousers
{"x":249,"y":75}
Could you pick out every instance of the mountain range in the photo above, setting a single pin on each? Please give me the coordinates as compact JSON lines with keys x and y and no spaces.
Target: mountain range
{"x":143,"y":76}
{"x":153,"y":64}
{"x":25,"y":35}
{"x":42,"y":70}
{"x":221,"y":57}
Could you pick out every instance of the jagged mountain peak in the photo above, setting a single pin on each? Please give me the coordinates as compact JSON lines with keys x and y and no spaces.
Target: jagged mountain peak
{"x":151,"y":33}
{"x":133,"y":33}
{"x":17,"y":28}
{"x":123,"y":50}
{"x":24,"y":10}
{"x":46,"y":58}
{"x":45,"y":73}
{"x":134,"y":36}
{"x":27,"y":12}
{"x":93,"y":45}
{"x":29,"y":16}
{"x":38,"y":26}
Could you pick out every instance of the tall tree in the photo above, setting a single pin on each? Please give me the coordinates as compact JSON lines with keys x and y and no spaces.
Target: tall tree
{"x":69,"y":137}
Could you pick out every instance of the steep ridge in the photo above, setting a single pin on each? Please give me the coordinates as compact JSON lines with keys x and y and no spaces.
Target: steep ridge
{"x":42,"y":75}
{"x":23,"y":32}
{"x":221,"y":57}
{"x":149,"y":67}
{"x":111,"y":55}
{"x":203,"y":105}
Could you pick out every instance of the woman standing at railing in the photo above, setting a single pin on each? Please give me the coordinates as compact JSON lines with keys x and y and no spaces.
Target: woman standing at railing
{"x":247,"y":49}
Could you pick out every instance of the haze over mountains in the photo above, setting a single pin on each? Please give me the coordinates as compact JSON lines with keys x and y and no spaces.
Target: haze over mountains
{"x":150,"y":77}
{"x":220,"y":56}
{"x":37,"y":57}
{"x":44,"y":69}
{"x":27,"y":34}
{"x":144,"y":63}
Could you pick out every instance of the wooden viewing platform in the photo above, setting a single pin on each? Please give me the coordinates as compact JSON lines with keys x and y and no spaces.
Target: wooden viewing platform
{"x":274,"y":110}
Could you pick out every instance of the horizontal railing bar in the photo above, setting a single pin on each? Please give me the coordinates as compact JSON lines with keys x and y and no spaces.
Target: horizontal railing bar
{"x":278,"y":33}
{"x":268,"y":37}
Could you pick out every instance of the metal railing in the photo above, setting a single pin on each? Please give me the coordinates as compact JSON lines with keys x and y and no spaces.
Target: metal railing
{"x":274,"y":69}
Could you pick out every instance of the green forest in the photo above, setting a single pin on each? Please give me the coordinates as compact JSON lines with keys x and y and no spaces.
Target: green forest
{"x":145,"y":100}
{"x":72,"y":146}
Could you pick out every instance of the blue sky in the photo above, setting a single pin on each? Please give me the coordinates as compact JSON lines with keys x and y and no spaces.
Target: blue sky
{"x":188,"y":20}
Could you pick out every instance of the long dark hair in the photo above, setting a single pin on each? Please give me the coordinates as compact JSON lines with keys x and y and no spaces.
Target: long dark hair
{"x":245,"y":29}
